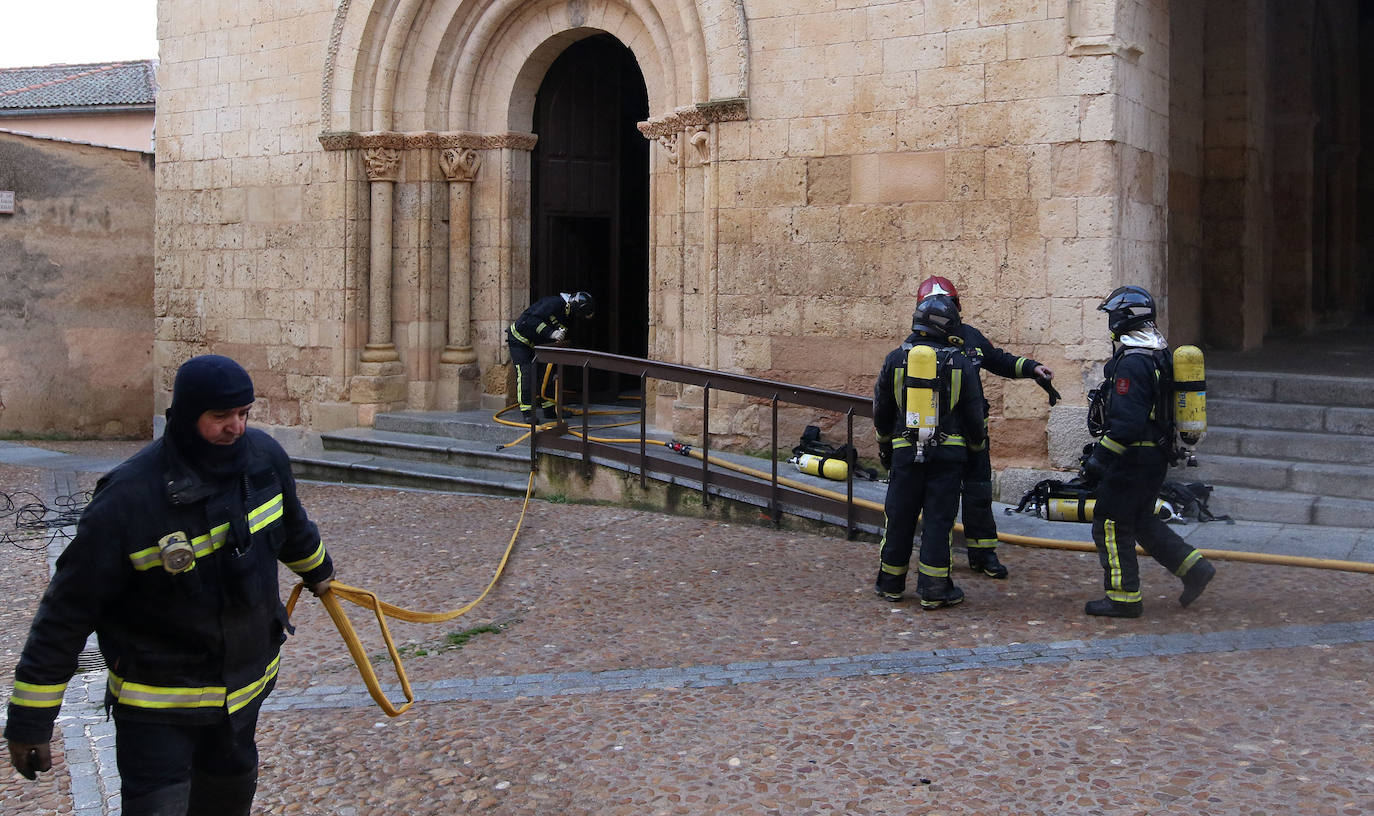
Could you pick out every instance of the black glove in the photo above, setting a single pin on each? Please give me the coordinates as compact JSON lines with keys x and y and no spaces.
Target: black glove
{"x":885,"y":454}
{"x":1095,"y":465}
{"x":30,"y":758}
{"x":1049,"y":389}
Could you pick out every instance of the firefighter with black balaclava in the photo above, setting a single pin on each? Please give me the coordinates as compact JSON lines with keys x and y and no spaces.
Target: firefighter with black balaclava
{"x":1132,"y":420}
{"x":548,"y":321}
{"x":174,"y":567}
{"x":980,"y":526}
{"x":927,"y":410}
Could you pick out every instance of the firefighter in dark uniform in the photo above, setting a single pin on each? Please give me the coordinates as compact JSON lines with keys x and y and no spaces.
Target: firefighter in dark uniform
{"x":547,"y":321}
{"x":980,"y":526}
{"x":174,"y":567}
{"x":1130,"y":415}
{"x":925,"y":478}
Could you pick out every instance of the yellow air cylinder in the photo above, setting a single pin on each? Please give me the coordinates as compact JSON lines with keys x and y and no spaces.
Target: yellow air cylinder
{"x":1079,"y":508}
{"x":922,"y":398}
{"x":1190,"y":393}
{"x":823,"y":466}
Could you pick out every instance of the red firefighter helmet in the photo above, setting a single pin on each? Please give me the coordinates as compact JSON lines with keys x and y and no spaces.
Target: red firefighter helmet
{"x":936,"y":285}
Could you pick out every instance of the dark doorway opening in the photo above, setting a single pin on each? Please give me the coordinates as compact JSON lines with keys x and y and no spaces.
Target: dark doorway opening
{"x":589,"y":225}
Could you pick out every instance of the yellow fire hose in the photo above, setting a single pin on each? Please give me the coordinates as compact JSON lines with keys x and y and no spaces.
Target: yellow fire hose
{"x":382,"y":610}
{"x":1028,"y":541}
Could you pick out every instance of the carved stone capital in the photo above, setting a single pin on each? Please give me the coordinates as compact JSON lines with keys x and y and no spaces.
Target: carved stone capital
{"x":459,"y":164}
{"x":440,"y":140}
{"x":382,"y":163}
{"x":668,"y":141}
{"x":699,"y":115}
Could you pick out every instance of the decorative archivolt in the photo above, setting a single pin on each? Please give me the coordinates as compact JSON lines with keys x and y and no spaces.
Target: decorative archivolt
{"x":473,"y":65}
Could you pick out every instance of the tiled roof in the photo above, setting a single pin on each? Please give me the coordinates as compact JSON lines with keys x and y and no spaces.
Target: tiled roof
{"x":96,"y":85}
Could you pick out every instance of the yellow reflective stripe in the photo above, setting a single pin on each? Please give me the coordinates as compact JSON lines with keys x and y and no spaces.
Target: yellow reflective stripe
{"x":266,"y":513}
{"x":141,"y":695}
{"x":934,"y":572}
{"x":891,"y":569}
{"x":33,"y":695}
{"x":309,"y":562}
{"x":1193,"y":558}
{"x":250,"y":692}
{"x":956,"y":381}
{"x":1020,"y":367}
{"x":1113,"y":557}
{"x":208,"y":543}
{"x":146,"y":559}
{"x":1113,"y":445}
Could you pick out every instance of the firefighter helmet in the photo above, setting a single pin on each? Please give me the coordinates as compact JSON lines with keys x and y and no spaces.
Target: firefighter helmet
{"x":1128,"y":308}
{"x":582,"y":305}
{"x":936,"y":285}
{"x":936,"y":315}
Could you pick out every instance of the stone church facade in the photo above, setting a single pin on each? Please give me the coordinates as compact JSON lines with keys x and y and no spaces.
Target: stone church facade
{"x":355,"y":197}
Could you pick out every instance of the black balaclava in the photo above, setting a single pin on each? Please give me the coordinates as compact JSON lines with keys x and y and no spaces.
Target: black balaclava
{"x":208,"y":383}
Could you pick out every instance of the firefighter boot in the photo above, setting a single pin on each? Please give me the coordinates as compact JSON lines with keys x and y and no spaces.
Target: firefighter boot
{"x":984,"y":560}
{"x":169,"y":801}
{"x":889,"y":587}
{"x":1107,"y":608}
{"x":528,"y":416}
{"x":937,"y":592}
{"x":1195,"y":580}
{"x":213,"y":795}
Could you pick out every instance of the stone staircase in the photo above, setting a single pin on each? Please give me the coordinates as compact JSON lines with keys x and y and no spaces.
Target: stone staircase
{"x":1288,"y":448}
{"x":454,"y":452}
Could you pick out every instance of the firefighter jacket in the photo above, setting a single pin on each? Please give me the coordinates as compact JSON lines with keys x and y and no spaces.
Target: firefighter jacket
{"x":1132,"y":406}
{"x":991,"y":358}
{"x":961,"y":396}
{"x":536,"y":325}
{"x":185,"y":648}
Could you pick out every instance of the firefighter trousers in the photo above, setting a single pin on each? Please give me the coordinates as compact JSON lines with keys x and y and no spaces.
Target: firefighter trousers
{"x":980,"y":526}
{"x":1125,"y":515}
{"x":212,"y":768}
{"x":526,"y":374}
{"x":929,"y":490}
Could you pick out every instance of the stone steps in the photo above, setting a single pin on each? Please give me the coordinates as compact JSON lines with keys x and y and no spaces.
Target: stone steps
{"x":1292,"y":448}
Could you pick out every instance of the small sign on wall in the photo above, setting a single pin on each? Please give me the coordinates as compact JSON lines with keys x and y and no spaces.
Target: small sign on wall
{"x":6,"y":202}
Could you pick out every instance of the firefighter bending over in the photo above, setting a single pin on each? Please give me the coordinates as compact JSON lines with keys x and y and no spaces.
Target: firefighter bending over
{"x":548,"y":321}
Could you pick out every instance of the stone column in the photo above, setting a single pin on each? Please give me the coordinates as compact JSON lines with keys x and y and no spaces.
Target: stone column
{"x":380,"y":383}
{"x":458,"y":371}
{"x":382,"y":164}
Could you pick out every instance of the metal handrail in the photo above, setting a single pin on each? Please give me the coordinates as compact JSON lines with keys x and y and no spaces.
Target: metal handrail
{"x":773,"y":492}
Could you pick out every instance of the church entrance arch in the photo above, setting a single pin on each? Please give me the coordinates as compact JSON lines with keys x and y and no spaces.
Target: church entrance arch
{"x":589,"y":192}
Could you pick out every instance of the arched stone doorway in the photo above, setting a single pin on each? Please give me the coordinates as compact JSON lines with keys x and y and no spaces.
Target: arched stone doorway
{"x":589,"y":184}
{"x":431,"y":104}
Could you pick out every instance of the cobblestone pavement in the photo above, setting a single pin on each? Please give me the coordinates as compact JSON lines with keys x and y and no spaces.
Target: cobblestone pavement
{"x":635,"y":663}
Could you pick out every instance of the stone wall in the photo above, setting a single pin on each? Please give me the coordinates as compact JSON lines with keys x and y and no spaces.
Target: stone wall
{"x":76,"y":329}
{"x":1017,"y":147}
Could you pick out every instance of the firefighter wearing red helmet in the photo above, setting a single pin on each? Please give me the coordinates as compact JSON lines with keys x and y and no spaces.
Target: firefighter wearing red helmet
{"x":980,"y":527}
